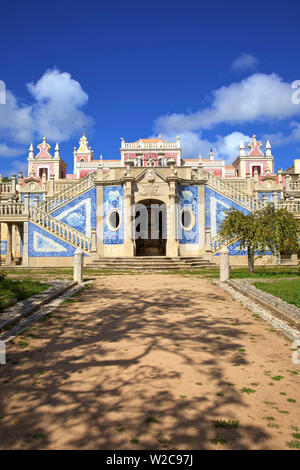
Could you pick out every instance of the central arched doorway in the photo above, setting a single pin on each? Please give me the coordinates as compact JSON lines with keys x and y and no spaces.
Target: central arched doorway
{"x":150,"y":228}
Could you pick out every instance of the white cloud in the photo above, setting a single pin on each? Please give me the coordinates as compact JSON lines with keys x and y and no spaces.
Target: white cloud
{"x":7,"y":151}
{"x":258,"y":97}
{"x":280,"y":139}
{"x":55,"y":110}
{"x":226,"y":147}
{"x":244,"y":62}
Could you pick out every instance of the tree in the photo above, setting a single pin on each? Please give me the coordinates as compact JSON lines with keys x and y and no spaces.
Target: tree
{"x":278,"y":230}
{"x":268,"y":229}
{"x":242,"y":226}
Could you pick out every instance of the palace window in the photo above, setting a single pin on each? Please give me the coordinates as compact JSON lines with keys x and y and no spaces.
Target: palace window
{"x":113,"y":220}
{"x":187,"y":219}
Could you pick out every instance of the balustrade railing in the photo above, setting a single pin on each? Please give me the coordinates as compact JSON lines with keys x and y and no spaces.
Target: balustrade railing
{"x":295,"y":185}
{"x":11,"y":208}
{"x":249,"y":202}
{"x":68,"y":193}
{"x":62,"y":230}
{"x":5,"y":187}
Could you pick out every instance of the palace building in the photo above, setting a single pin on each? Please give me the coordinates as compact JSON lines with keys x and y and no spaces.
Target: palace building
{"x":149,"y":204}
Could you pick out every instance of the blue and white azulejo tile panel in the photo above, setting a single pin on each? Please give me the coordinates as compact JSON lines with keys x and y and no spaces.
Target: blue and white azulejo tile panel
{"x":188,"y":199}
{"x":215,"y":210}
{"x":80,"y":213}
{"x":113,"y":201}
{"x":44,"y":244}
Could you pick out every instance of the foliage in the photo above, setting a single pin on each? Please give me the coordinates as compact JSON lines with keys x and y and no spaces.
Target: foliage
{"x":6,"y":179}
{"x":269,"y":229}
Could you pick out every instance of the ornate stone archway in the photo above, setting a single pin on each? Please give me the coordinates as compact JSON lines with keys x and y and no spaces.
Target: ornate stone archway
{"x":150,"y":227}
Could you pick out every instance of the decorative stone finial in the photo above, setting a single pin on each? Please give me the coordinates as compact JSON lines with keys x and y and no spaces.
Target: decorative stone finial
{"x":56,"y":153}
{"x":31,"y":152}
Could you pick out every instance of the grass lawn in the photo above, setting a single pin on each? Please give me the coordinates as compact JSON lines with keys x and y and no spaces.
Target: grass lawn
{"x":286,"y":289}
{"x":209,"y":273}
{"x":20,"y":289}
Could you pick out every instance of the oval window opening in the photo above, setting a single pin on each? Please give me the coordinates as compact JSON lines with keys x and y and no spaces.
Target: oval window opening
{"x":114,"y":220}
{"x":186,"y":219}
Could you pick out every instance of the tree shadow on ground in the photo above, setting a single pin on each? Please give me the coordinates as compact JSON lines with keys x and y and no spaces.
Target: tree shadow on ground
{"x":102,"y":375}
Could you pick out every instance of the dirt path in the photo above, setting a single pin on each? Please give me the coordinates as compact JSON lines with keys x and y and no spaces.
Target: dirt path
{"x":131,"y":364}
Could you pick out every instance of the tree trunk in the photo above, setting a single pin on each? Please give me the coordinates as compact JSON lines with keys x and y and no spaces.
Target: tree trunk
{"x":250,"y":260}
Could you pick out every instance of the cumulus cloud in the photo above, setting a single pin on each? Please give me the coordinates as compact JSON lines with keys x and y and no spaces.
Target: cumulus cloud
{"x":244,"y":62}
{"x":279,"y":138}
{"x":54,"y":110}
{"x":259,"y":97}
{"x":7,"y":151}
{"x":226,"y":147}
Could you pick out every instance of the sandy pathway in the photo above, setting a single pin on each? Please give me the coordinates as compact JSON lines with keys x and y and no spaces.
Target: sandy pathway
{"x":131,"y":364}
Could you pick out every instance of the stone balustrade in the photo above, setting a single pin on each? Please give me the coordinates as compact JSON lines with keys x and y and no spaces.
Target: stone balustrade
{"x":295,"y":185}
{"x":291,"y":206}
{"x":11,"y":209}
{"x":68,"y":193}
{"x":5,"y":187}
{"x":249,"y":202}
{"x":60,"y":229}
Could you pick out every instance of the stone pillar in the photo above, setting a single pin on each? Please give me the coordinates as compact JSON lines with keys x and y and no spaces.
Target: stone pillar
{"x":172,"y":243}
{"x":128,"y":241}
{"x":265,"y":200}
{"x":99,"y":220}
{"x":275,"y":198}
{"x":20,"y":179}
{"x":287,"y":183}
{"x":14,"y":184}
{"x":25,"y":257}
{"x":201,"y":214}
{"x":224,"y":264}
{"x":248,"y":183}
{"x":9,"y":245}
{"x":51,"y":190}
{"x":78,"y":265}
{"x":26,"y":203}
{"x":94,"y":240}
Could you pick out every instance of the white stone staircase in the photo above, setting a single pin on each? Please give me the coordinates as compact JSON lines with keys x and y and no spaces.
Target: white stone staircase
{"x":67,"y":194}
{"x":245,"y":200}
{"x":61,"y":230}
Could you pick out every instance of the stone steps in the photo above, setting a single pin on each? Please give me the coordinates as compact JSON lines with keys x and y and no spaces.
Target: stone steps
{"x":149,"y":263}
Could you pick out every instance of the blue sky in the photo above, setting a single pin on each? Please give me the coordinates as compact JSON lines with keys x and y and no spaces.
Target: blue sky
{"x":212,"y":72}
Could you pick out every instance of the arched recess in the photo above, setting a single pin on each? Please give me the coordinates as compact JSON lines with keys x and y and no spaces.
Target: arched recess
{"x":150,"y":227}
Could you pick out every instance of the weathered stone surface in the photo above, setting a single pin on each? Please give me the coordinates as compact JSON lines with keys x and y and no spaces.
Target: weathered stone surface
{"x":26,"y":307}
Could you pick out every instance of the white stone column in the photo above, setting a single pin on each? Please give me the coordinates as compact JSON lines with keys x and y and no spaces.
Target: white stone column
{"x":9,"y":245}
{"x":128,"y":241}
{"x":172,"y":243}
{"x":25,"y":256}
{"x":26,"y":203}
{"x":224,"y":264}
{"x":78,"y":265}
{"x":14,"y":184}
{"x":287,"y":183}
{"x":94,"y":240}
